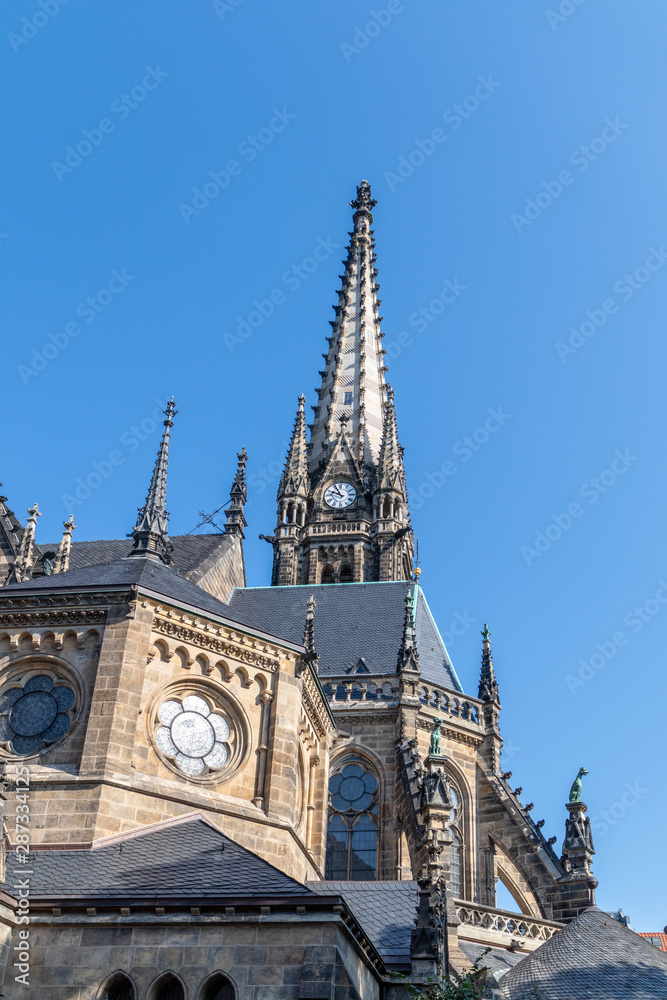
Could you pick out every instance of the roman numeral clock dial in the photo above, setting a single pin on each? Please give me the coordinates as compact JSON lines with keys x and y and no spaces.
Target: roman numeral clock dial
{"x":340,"y":495}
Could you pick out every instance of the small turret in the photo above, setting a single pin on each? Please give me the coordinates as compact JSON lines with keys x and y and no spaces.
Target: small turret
{"x":238,"y":494}
{"x":150,"y":531}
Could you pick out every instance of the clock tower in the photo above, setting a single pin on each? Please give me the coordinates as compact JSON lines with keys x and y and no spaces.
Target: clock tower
{"x":342,"y":500}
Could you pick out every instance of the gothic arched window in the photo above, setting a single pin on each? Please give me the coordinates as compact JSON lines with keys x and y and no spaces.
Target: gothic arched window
{"x":352,"y":834}
{"x":119,"y":987}
{"x":345,"y":575}
{"x":168,"y":988}
{"x":328,"y":574}
{"x":456,"y":849}
{"x":218,"y":988}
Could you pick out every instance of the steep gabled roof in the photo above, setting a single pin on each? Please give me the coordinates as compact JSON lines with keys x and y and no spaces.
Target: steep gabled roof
{"x":354,"y":621}
{"x":594,"y":956}
{"x":187,"y":858}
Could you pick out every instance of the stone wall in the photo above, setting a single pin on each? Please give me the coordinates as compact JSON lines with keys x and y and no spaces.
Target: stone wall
{"x":281,"y":956}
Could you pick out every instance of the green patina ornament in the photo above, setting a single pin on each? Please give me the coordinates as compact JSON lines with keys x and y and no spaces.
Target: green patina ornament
{"x":435,"y":738}
{"x":575,"y":791}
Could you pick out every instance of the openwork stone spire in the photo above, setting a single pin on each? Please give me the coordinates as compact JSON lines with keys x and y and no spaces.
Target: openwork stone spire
{"x":150,"y":531}
{"x":65,"y":547}
{"x":353,"y":377}
{"x":488,"y":686}
{"x":295,"y":480}
{"x":25,"y":557}
{"x":238,"y":494}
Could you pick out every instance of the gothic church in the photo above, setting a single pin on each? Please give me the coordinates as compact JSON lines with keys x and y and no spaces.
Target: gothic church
{"x":222,"y":792}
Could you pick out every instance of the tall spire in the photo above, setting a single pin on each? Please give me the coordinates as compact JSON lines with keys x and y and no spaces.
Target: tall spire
{"x":64,"y":549}
{"x":488,"y":686}
{"x":25,"y":558}
{"x":295,"y":480}
{"x":150,"y":531}
{"x":353,"y":377}
{"x":238,"y":494}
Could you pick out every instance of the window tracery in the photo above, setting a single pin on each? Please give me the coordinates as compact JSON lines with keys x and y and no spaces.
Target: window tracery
{"x":352,"y":835}
{"x":36,"y":710}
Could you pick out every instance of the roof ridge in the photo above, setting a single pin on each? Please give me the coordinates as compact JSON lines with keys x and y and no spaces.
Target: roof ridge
{"x":164,"y":824}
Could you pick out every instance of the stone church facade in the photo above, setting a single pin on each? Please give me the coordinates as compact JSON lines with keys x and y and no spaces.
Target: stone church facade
{"x":218,"y":791}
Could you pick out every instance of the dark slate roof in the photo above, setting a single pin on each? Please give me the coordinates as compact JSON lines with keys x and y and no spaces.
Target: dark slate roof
{"x":386,"y":910}
{"x":499,"y":960}
{"x":595,"y":957}
{"x":353,"y":621}
{"x":183,"y":859}
{"x":141,"y":571}
{"x":188,"y":551}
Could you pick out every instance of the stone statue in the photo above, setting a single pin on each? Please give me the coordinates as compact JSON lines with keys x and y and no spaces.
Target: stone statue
{"x":434,"y":749}
{"x":575,"y":791}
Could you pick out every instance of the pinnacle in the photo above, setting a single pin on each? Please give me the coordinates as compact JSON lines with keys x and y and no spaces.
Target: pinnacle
{"x":488,"y":686}
{"x":150,"y":531}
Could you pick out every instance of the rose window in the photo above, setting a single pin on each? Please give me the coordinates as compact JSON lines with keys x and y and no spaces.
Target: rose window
{"x":36,"y":714}
{"x":193,"y":735}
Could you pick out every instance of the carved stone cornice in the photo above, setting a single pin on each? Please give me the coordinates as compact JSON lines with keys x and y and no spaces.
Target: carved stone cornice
{"x":34,"y":602}
{"x":217,"y":639}
{"x":35,"y":619}
{"x":315,"y":707}
{"x":469,"y":739}
{"x":351,"y":720}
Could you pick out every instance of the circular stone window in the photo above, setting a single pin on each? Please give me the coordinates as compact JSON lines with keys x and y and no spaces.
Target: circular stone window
{"x":195,"y":736}
{"x":35,"y":714}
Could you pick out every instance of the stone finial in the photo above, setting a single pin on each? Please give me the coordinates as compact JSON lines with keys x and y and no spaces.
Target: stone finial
{"x":25,"y":557}
{"x":238,"y":496}
{"x":65,"y":547}
{"x":150,"y":532}
{"x":364,"y":199}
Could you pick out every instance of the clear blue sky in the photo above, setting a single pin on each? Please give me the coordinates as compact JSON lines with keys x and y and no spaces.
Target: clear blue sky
{"x":580,"y":98}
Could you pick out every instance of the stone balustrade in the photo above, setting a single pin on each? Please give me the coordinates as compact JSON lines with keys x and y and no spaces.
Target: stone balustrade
{"x":489,"y":926}
{"x":386,"y":689}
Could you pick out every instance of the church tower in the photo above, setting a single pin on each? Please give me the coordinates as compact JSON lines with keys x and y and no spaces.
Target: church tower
{"x":342,"y":501}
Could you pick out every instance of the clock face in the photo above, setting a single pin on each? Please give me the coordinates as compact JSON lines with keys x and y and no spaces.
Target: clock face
{"x":340,"y":495}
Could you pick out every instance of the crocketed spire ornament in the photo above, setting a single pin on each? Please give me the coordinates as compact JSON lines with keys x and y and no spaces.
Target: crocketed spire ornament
{"x":408,"y":654}
{"x":25,"y":557}
{"x":294,"y":481}
{"x":150,"y":531}
{"x":488,"y":686}
{"x":238,"y":495}
{"x":65,"y":547}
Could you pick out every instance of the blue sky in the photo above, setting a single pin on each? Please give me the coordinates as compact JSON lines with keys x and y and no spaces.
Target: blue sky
{"x":540,"y":198}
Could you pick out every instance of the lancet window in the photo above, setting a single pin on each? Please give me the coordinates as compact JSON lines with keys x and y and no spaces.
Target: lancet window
{"x":352,"y":836}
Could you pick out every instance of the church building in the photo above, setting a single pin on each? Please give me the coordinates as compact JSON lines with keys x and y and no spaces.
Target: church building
{"x":220,"y":792}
